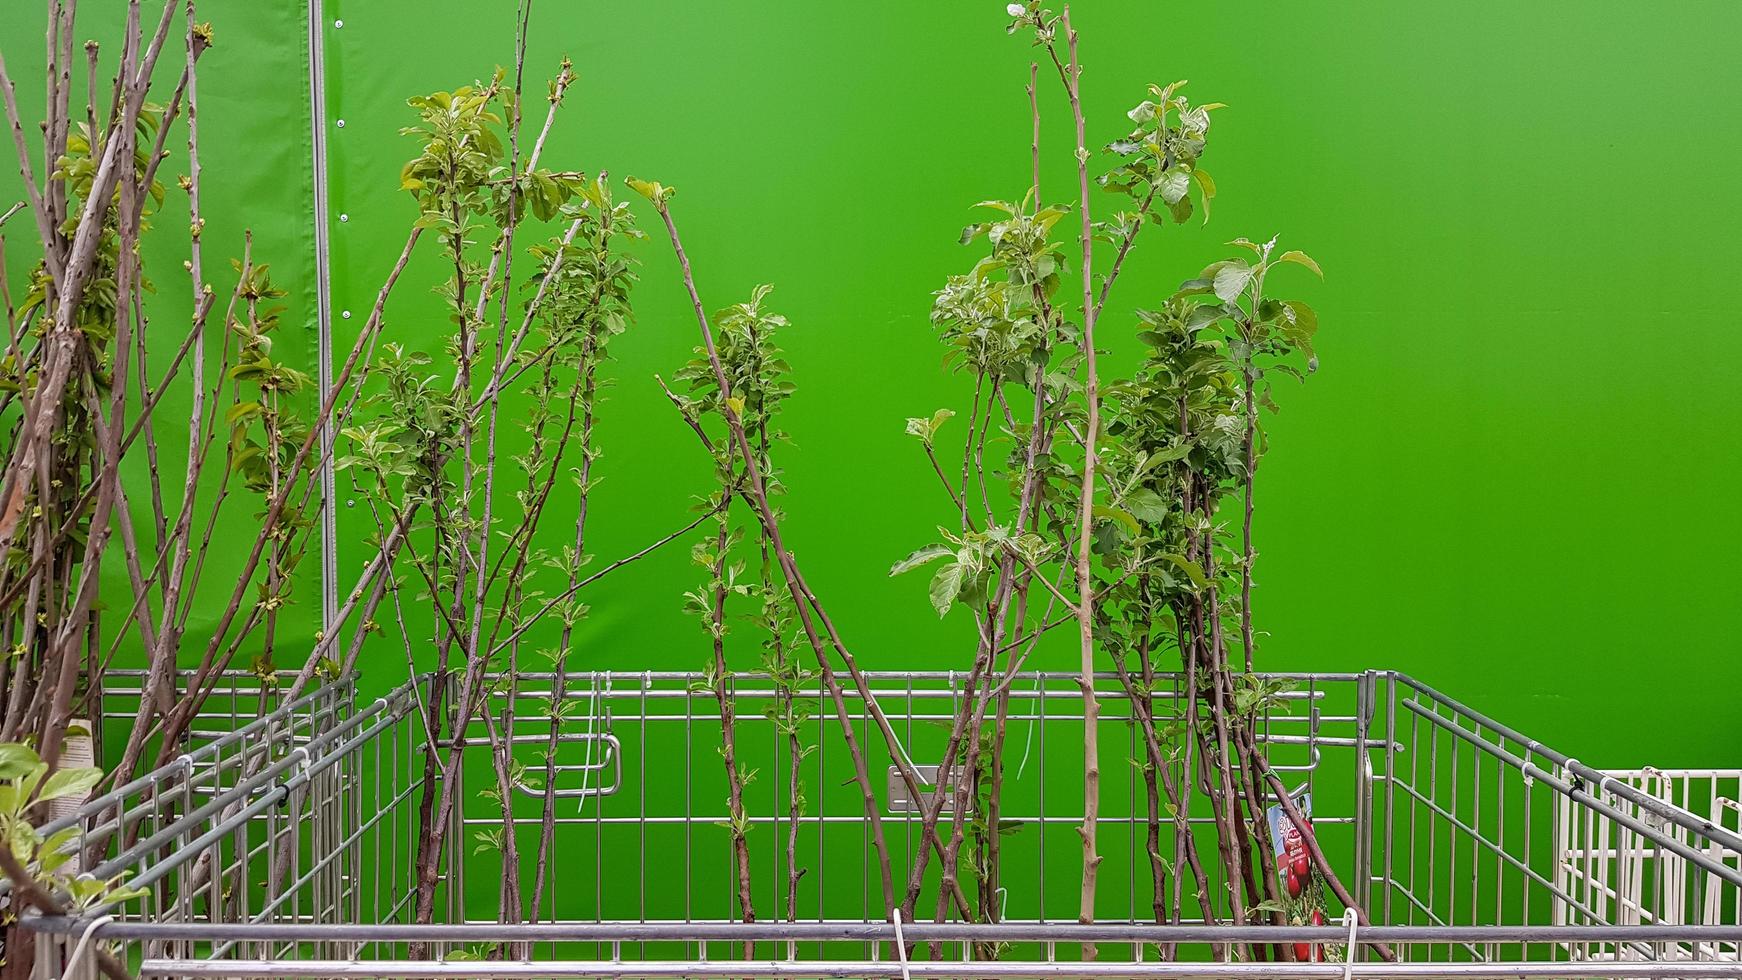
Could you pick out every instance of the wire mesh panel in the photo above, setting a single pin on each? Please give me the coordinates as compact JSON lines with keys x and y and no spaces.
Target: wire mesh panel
{"x":270,"y":810}
{"x":1627,"y":877}
{"x":277,"y":770}
{"x":1475,"y":850}
{"x":1474,"y":823}
{"x":642,"y":829}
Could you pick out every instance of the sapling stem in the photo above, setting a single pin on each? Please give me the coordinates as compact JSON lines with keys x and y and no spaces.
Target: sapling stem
{"x":720,"y":680}
{"x":809,"y":605}
{"x":755,"y":490}
{"x":1085,"y":519}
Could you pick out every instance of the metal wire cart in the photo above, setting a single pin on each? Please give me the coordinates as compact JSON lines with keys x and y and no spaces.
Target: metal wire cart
{"x":284,"y":845}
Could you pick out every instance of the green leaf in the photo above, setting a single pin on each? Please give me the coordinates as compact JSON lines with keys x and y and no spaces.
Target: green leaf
{"x":1231,"y":280}
{"x":1119,"y":516}
{"x":1270,"y":905}
{"x":945,"y":586}
{"x":240,"y":411}
{"x":1299,"y":322}
{"x":70,"y":782}
{"x":120,"y":895}
{"x":1146,"y":505}
{"x":930,"y":552}
{"x":1207,"y":188}
{"x":58,"y":850}
{"x":927,"y":429}
{"x":1301,"y":258}
{"x":1174,"y":184}
{"x":1181,"y":209}
{"x":1206,"y":314}
{"x":1192,"y":569}
{"x":16,"y":760}
{"x":650,"y":189}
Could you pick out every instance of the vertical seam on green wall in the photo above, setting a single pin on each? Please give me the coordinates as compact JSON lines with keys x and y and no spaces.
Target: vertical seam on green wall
{"x":323,"y":307}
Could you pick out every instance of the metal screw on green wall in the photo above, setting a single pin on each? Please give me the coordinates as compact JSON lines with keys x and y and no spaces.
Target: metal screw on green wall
{"x":340,"y":124}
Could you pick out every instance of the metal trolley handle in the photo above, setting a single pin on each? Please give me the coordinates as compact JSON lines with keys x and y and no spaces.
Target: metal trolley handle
{"x":593,"y":775}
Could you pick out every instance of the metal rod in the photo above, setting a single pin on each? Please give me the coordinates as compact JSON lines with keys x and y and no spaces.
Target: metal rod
{"x":870,"y":931}
{"x":1681,"y":818}
{"x":1574,"y":792}
{"x":317,"y":101}
{"x":923,"y":968}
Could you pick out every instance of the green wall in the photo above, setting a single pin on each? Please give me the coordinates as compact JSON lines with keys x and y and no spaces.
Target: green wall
{"x":1513,"y":477}
{"x":254,"y":117}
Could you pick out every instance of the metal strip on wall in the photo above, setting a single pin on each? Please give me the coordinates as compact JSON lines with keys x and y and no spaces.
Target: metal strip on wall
{"x":323,"y":308}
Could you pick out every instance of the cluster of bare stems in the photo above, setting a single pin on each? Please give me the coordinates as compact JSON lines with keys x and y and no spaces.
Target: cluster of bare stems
{"x":96,"y":470}
{"x":1186,"y":447}
{"x":85,"y":377}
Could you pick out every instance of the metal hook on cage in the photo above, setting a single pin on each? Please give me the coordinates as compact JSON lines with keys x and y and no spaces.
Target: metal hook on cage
{"x":1528,"y":771}
{"x":1606,"y":782}
{"x":900,"y":944}
{"x":84,"y":939}
{"x":185,"y":763}
{"x":299,"y":776}
{"x":1351,"y":920}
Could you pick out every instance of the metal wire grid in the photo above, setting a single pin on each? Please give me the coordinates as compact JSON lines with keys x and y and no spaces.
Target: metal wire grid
{"x":1473,"y":823}
{"x":1611,"y":867}
{"x":647,"y":836}
{"x":287,"y":789}
{"x":266,"y":816}
{"x":1450,"y":819}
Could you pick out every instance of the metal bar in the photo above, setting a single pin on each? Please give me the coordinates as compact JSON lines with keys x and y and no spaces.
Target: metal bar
{"x":1111,"y":677}
{"x":200,"y":754}
{"x":317,"y":102}
{"x":864,"y":931}
{"x":1577,"y":794}
{"x":923,"y":968}
{"x":1700,"y":825}
{"x":766,"y":819}
{"x":244,"y":788}
{"x":298,"y":779}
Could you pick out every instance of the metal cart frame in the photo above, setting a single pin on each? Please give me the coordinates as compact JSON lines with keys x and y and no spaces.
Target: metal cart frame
{"x":283,"y":846}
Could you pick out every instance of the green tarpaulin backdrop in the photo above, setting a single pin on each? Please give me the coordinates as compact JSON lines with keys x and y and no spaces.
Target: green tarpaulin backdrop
{"x":1516,"y":475}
